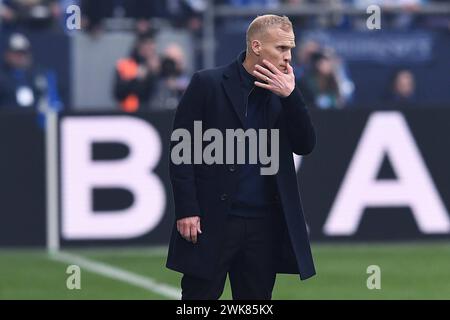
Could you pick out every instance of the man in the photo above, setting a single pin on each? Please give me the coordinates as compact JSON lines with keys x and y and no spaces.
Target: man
{"x":21,"y":86}
{"x":136,"y":76}
{"x":173,"y":79}
{"x":230,"y":219}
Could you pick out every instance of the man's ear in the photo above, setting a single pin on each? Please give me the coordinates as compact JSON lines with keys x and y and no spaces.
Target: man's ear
{"x":256,"y":47}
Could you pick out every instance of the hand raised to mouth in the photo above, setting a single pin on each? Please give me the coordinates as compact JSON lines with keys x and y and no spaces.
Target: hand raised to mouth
{"x":282,"y":84}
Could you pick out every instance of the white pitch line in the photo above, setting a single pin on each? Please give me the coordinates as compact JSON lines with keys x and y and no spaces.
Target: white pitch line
{"x":109,"y":271}
{"x":160,"y":251}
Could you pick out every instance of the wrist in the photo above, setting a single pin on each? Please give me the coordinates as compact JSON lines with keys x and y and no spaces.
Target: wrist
{"x":288,"y":94}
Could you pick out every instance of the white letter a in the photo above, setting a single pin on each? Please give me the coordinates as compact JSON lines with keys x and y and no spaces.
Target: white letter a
{"x":387,"y":134}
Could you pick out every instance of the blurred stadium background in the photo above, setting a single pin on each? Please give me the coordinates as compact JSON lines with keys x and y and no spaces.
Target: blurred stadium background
{"x":85,"y":119}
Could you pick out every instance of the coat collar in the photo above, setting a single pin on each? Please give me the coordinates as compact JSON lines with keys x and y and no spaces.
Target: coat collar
{"x":232,"y":85}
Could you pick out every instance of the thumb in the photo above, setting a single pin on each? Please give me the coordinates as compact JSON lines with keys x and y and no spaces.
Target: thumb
{"x":290,"y":69}
{"x":198,"y":227}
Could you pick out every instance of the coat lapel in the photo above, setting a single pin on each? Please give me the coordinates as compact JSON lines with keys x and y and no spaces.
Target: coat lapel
{"x":232,"y":85}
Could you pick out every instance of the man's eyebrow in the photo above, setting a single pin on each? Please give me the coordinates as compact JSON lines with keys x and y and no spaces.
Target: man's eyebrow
{"x":284,"y":44}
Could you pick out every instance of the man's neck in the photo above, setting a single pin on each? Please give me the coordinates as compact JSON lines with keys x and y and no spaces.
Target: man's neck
{"x":249,"y":65}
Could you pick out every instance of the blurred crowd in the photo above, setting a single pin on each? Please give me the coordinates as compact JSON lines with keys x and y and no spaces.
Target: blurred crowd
{"x":187,"y":14}
{"x":147,"y":81}
{"x":50,"y":14}
{"x":151,"y":79}
{"x":322,"y":77}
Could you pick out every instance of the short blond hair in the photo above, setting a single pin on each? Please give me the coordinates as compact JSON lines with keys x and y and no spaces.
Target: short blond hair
{"x":261,"y":24}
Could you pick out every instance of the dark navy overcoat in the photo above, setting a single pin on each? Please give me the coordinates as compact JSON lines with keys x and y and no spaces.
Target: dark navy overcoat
{"x":214,"y":96}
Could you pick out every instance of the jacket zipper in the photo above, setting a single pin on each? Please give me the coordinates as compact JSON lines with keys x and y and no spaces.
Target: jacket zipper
{"x":246,"y":103}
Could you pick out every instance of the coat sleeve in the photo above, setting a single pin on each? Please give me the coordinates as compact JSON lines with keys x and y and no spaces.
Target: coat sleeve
{"x":300,"y":129}
{"x":182,"y":176}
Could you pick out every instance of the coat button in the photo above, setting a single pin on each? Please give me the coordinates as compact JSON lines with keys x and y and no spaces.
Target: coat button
{"x":232,"y":168}
{"x":224,"y":197}
{"x":277,"y":197}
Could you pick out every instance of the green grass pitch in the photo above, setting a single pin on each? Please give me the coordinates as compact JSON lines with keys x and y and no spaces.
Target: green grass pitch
{"x":408,"y":271}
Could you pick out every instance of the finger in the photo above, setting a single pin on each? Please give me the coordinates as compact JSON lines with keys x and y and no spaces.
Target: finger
{"x":264,"y":71}
{"x":290,"y":69}
{"x":180,"y":225}
{"x":261,"y":76}
{"x":193,"y":231}
{"x":198,"y":227}
{"x":186,"y":232}
{"x":271,"y":67}
{"x":263,"y":85}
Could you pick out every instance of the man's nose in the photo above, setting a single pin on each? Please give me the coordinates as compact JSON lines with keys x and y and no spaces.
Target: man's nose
{"x":288,"y":57}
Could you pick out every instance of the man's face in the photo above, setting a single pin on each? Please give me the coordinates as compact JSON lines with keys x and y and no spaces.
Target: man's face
{"x":147,"y":48}
{"x":404,"y":84}
{"x":276,"y":46}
